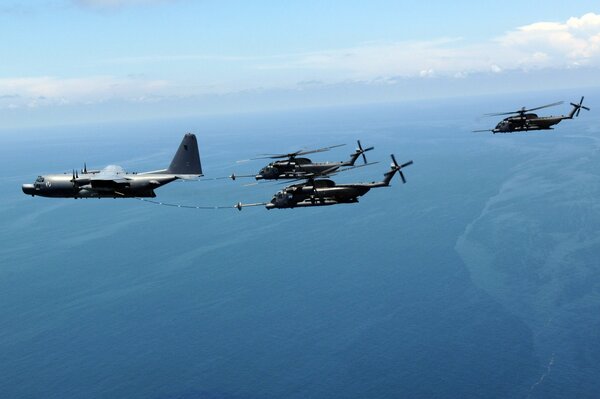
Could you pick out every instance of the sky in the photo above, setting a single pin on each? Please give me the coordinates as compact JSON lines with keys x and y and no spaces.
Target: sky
{"x":69,"y":61}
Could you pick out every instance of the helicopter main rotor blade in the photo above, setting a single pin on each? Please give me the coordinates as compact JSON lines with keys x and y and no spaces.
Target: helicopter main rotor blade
{"x":356,"y":166}
{"x":330,"y":172}
{"x":545,"y":106}
{"x":502,"y":113}
{"x":524,"y":110}
{"x":320,"y":149}
{"x":296,"y":153}
{"x":276,"y":156}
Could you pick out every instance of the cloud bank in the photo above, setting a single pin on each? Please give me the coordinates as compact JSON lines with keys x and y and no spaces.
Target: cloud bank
{"x":39,"y":91}
{"x":573,"y":43}
{"x":556,"y":46}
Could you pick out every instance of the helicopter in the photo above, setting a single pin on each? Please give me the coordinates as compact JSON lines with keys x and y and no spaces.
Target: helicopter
{"x":524,"y":120}
{"x":323,"y":192}
{"x":293,"y":166}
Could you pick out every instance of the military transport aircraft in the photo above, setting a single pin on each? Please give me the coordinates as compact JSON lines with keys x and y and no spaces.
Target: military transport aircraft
{"x":523,"y":120}
{"x":114,"y":182}
{"x":321,"y":192}
{"x":294,"y":167}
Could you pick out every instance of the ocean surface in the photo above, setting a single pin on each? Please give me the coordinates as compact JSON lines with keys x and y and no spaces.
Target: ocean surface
{"x":479,"y":278}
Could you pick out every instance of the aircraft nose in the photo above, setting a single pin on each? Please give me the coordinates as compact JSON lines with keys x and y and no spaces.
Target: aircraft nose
{"x":28,"y":189}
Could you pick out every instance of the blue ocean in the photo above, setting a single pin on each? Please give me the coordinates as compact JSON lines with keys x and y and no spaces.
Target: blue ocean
{"x":479,"y":278}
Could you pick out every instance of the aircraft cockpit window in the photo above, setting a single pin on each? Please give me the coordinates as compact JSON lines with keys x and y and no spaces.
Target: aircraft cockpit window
{"x":40,"y":179}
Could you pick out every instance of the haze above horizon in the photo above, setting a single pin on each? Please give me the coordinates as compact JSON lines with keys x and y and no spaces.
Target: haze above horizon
{"x":75,"y":61}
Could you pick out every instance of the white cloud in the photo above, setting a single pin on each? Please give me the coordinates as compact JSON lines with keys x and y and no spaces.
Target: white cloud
{"x":427,"y":73}
{"x":571,"y":44}
{"x":538,"y":45}
{"x":575,"y":41}
{"x":36,"y":91}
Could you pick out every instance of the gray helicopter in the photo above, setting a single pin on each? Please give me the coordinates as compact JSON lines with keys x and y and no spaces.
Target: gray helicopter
{"x":524,"y":120}
{"x":323,"y":192}
{"x":292,"y":166}
{"x":114,"y":182}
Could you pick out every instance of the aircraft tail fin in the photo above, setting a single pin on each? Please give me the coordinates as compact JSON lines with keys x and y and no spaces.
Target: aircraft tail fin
{"x":187,"y":158}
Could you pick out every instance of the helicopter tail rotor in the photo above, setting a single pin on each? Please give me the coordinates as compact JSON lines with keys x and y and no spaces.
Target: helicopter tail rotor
{"x":394,"y":167}
{"x":398,"y":168}
{"x":361,"y":151}
{"x":577,"y":108}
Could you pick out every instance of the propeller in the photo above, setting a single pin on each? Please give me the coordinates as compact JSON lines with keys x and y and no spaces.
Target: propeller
{"x":293,"y":155}
{"x":578,"y":107}
{"x":362,"y":151}
{"x":78,"y":181}
{"x":398,"y":168}
{"x":84,"y":170}
{"x":74,"y":179}
{"x":523,"y":110}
